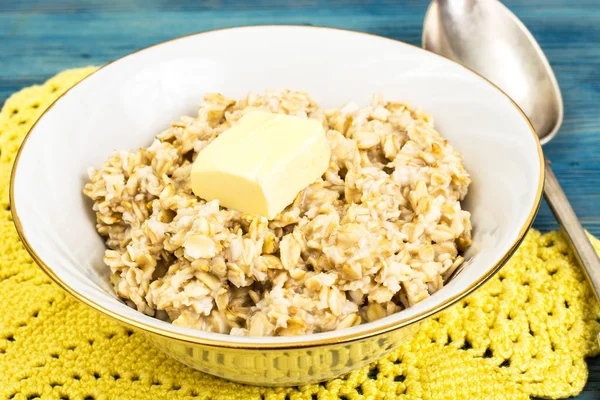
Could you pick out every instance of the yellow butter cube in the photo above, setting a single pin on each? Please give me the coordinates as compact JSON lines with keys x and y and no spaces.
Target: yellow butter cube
{"x":262,"y":163}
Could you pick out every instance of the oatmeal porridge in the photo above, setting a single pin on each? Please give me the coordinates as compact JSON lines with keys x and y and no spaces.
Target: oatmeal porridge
{"x":381,"y":230}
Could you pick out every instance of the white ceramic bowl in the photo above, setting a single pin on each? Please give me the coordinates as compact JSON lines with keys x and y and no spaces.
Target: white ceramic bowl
{"x":127,"y":102}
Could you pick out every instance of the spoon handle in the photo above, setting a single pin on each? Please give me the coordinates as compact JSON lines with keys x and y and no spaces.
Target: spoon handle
{"x":581,"y":245}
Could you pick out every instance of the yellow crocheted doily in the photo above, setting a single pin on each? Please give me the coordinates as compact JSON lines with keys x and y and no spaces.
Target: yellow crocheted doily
{"x":525,"y":333}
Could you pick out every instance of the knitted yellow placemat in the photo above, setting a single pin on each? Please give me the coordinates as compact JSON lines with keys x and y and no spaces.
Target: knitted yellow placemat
{"x":526,"y":333}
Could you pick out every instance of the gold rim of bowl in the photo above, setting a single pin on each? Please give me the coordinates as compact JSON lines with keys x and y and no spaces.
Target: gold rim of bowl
{"x":312,"y":340}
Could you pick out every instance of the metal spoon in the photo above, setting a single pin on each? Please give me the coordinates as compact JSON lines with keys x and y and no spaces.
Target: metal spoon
{"x":486,"y":37}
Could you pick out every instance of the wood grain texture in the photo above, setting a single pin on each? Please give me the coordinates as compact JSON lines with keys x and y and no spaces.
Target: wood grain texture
{"x":40,"y":38}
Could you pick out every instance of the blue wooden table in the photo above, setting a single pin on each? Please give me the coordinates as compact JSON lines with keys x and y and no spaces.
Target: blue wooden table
{"x":39,"y":38}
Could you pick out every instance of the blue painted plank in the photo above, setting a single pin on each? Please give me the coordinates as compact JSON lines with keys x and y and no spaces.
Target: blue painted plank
{"x":40,"y":38}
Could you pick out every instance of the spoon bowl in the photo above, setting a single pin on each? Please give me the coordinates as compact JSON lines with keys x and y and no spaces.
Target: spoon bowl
{"x":487,"y":37}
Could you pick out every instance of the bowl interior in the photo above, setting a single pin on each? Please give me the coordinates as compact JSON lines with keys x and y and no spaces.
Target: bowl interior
{"x":126,"y":103}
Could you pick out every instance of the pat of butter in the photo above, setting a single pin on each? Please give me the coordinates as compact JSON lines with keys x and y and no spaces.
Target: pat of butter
{"x":261,"y":164}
